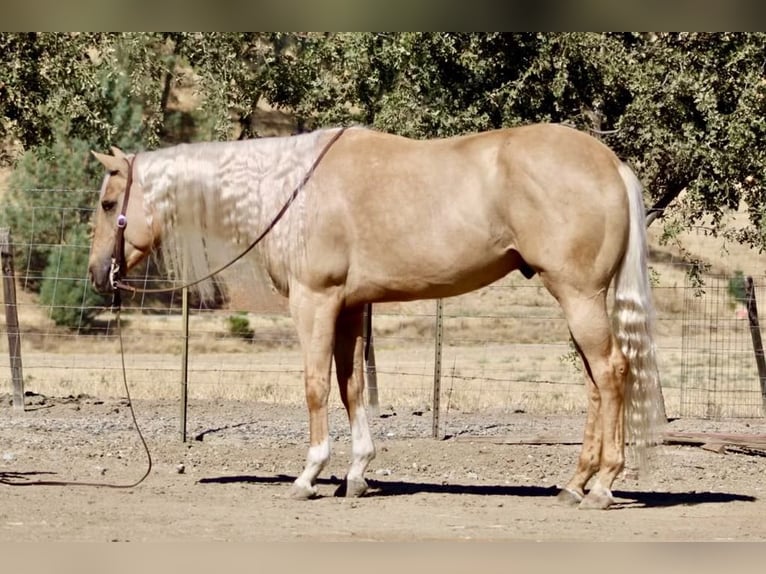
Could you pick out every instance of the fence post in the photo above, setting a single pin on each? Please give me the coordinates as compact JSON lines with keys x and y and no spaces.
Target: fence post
{"x":755,"y":333}
{"x":439,"y":329}
{"x":12,"y":318}
{"x":369,"y":361}
{"x":184,"y":358}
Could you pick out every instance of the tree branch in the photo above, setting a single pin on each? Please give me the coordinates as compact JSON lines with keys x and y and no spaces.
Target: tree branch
{"x":658,"y":209}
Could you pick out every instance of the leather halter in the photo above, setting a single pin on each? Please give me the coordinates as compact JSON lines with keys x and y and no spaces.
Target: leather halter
{"x":119,"y":266}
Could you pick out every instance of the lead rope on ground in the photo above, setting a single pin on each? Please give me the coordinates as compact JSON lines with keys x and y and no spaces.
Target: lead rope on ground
{"x":117,"y":284}
{"x":16,"y":482}
{"x":130,"y":407}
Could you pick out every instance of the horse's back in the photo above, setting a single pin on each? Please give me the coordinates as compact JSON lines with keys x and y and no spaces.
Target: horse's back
{"x":420,"y":218}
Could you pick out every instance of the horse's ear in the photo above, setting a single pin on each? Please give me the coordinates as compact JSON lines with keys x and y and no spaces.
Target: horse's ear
{"x":118,"y":153}
{"x":111,"y":163}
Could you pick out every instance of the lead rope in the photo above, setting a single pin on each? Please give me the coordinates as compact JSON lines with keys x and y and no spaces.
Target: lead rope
{"x":118,"y":265}
{"x":11,"y":482}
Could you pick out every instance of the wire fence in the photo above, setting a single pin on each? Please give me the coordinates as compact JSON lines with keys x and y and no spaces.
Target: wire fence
{"x":719,"y":372}
{"x":504,"y":347}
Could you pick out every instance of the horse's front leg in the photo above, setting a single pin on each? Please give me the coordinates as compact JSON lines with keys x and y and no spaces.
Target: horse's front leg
{"x":315,"y":315}
{"x":349,"y":365}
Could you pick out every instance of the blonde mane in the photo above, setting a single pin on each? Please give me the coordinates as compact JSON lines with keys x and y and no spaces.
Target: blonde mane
{"x":211,"y":200}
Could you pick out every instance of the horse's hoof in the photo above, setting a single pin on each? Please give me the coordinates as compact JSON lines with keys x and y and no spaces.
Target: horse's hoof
{"x":596,"y":501}
{"x":302,"y":492}
{"x":353,"y":488}
{"x":568,"y":497}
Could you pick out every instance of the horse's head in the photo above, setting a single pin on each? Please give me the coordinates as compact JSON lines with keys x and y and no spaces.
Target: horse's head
{"x":138,"y":235}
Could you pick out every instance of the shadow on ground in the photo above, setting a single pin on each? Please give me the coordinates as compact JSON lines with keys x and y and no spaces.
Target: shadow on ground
{"x":624,"y":498}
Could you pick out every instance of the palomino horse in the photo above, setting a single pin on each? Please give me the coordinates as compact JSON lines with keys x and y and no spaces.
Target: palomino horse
{"x":357,"y":216}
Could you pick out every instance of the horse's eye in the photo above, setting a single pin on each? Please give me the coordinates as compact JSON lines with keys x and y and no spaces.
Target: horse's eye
{"x":108,"y":206}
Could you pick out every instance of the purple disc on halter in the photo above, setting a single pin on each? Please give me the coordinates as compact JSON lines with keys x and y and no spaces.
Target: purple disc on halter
{"x":122,"y":221}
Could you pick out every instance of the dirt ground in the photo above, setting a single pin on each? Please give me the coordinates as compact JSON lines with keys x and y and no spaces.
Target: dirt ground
{"x":228,"y":481}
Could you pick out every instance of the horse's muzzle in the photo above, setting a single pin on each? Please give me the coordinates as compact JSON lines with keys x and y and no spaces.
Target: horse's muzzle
{"x":100,"y":278}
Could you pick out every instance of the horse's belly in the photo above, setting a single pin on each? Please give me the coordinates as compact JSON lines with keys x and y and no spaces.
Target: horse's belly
{"x":418,"y":279}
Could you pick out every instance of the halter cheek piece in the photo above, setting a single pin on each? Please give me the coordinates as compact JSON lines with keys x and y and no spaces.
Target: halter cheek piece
{"x":114,"y":270}
{"x":118,"y":255}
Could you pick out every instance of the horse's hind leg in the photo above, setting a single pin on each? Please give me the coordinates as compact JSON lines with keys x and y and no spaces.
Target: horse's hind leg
{"x":590,"y":455}
{"x":350,"y":374}
{"x":602,"y":452}
{"x":315,"y":315}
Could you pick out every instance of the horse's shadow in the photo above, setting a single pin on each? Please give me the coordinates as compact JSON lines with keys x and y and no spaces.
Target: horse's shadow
{"x":378,"y":488}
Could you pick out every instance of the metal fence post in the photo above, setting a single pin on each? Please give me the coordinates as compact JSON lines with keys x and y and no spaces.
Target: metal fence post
{"x":369,"y":361}
{"x":184,"y":358}
{"x":439,"y":327}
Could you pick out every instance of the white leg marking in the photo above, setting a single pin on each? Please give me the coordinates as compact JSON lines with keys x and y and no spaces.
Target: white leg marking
{"x":362,"y":447}
{"x":601,"y":490}
{"x":316,"y":459}
{"x":599,"y":497}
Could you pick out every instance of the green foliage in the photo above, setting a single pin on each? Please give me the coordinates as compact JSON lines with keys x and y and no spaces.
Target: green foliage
{"x":687,"y":110}
{"x":737,"y":288}
{"x":43,"y":78}
{"x":695,"y":274}
{"x":65,"y":288}
{"x":51,"y":190}
{"x":440,"y":84}
{"x":50,"y":193}
{"x":232,"y":69}
{"x":572,"y":358}
{"x":239,"y":326}
{"x":695,"y":120}
{"x":106,"y":89}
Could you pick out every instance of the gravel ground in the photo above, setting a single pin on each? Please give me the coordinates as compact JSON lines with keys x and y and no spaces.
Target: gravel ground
{"x":229,"y":480}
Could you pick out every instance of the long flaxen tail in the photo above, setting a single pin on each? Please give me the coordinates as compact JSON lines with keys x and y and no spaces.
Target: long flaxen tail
{"x":634,"y":320}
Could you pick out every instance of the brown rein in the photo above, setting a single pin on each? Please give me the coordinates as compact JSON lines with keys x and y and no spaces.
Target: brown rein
{"x":118,"y":258}
{"x":115,"y":277}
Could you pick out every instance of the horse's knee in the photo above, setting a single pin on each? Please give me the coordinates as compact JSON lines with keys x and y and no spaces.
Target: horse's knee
{"x":317,"y":393}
